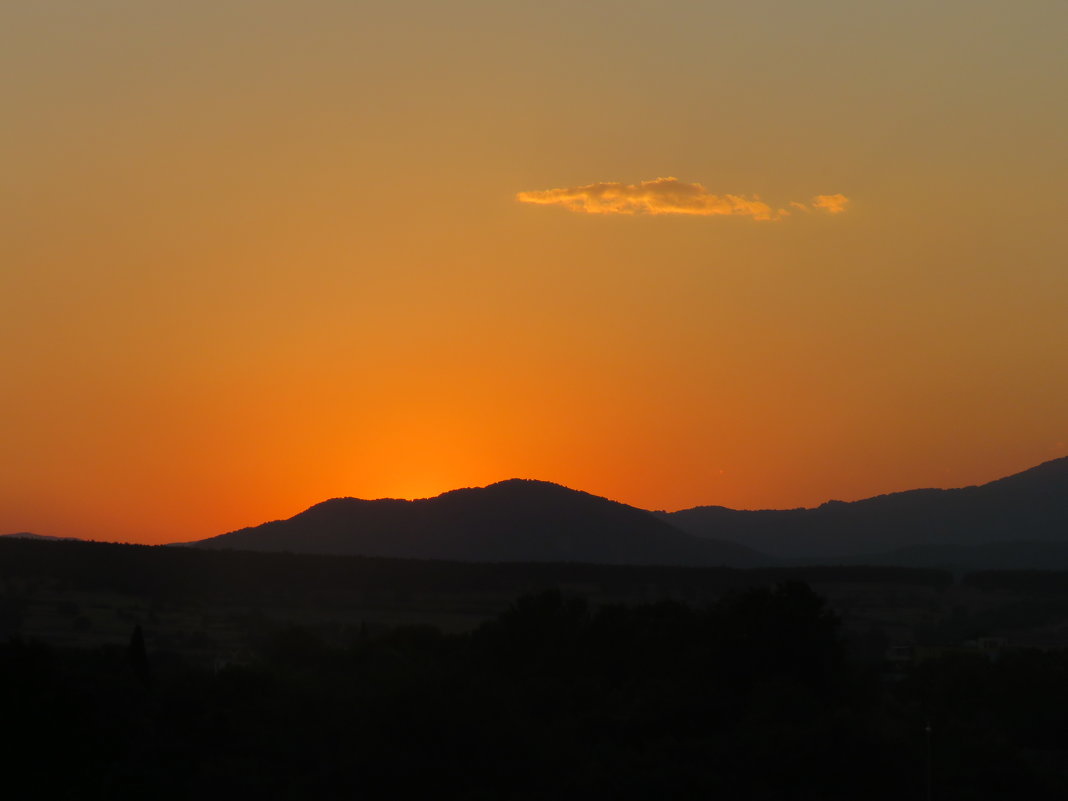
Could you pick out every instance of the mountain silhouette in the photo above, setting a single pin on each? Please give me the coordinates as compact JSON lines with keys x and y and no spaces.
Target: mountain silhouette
{"x":515,"y":520}
{"x":1027,"y":508}
{"x":29,"y":535}
{"x":1019,"y":521}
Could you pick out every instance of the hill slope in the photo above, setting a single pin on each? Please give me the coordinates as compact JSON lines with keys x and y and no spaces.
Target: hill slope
{"x":515,"y":520}
{"x":29,"y":535}
{"x":1029,"y":507}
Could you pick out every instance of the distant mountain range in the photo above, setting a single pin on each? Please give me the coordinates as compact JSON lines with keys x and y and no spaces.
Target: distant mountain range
{"x":1029,"y":507}
{"x":27,"y":535}
{"x":1018,"y":522}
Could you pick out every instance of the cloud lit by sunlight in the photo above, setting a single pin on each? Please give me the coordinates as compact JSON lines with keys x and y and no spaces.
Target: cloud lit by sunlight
{"x":832,"y":204}
{"x":668,"y":196}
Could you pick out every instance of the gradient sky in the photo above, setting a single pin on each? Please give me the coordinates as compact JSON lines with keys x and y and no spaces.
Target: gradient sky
{"x":258,"y":254}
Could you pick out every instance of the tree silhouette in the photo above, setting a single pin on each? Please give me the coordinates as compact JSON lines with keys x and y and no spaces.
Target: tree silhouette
{"x":137,"y":657}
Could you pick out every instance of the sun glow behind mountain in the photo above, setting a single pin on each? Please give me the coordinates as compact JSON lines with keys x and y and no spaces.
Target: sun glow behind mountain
{"x":259,"y":255}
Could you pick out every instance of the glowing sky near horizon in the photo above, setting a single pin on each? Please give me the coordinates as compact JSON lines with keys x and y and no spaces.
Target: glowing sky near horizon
{"x":258,"y":254}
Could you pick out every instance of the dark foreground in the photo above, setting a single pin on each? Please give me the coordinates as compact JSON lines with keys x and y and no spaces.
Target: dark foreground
{"x":751,"y":696}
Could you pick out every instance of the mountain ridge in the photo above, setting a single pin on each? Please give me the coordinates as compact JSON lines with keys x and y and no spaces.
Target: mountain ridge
{"x":29,"y":535}
{"x":511,"y":520}
{"x":1017,"y":517}
{"x":1031,"y":505}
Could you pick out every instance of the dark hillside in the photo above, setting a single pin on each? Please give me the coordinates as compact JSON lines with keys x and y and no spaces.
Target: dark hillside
{"x":517,"y":520}
{"x":1029,"y":507}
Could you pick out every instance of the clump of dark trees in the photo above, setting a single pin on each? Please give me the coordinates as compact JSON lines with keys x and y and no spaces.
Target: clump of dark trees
{"x":753,"y":697}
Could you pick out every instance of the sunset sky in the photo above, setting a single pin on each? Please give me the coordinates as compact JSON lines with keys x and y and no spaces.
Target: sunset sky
{"x":258,"y":254}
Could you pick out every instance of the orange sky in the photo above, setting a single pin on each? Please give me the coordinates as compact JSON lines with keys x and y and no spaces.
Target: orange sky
{"x":258,"y":254}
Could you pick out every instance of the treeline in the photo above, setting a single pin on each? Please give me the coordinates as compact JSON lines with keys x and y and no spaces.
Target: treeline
{"x":1020,"y":582}
{"x":182,"y":575}
{"x":749,"y":697}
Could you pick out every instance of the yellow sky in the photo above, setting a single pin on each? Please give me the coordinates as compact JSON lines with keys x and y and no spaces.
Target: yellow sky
{"x":258,"y":254}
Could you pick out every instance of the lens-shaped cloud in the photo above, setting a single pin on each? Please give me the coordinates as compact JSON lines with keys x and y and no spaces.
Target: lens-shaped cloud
{"x":668,"y":196}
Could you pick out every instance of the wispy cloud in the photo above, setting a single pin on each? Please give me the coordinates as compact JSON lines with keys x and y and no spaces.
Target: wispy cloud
{"x":669,"y":196}
{"x":832,"y":204}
